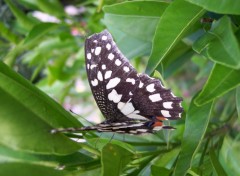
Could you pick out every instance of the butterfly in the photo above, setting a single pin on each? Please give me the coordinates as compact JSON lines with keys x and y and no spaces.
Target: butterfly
{"x":131,"y":102}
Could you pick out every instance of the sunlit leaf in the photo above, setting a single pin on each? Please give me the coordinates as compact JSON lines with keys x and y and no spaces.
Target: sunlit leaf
{"x":220,"y":44}
{"x":24,"y":105}
{"x":221,"y":80}
{"x":25,"y":169}
{"x":122,"y":19}
{"x":176,"y":21}
{"x":39,"y":31}
{"x":115,"y":158}
{"x":229,"y":155}
{"x":23,"y":19}
{"x":219,"y":6}
{"x":216,"y":165}
{"x":238,"y":101}
{"x":195,"y":127}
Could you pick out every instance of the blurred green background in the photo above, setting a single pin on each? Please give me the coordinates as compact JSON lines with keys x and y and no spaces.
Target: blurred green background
{"x":192,"y":45}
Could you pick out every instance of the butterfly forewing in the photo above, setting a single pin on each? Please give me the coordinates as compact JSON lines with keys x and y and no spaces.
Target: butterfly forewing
{"x":103,"y":63}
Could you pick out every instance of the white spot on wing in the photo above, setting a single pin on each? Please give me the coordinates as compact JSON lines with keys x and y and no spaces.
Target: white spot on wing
{"x":165,"y":113}
{"x":108,"y":46}
{"x":108,"y":74}
{"x":93,"y":66}
{"x":103,"y":66}
{"x":142,"y":130}
{"x":104,"y":37}
{"x":150,"y":88}
{"x":89,"y":56}
{"x":92,"y":50}
{"x":173,"y":94}
{"x":130,"y":93}
{"x":168,"y":105}
{"x":136,"y":116}
{"x":98,"y":50}
{"x":127,"y":108}
{"x":88,"y":66}
{"x":99,"y":76}
{"x":113,"y":82}
{"x":137,"y":111}
{"x":157,"y":128}
{"x":119,"y":131}
{"x":126,"y":69}
{"x":118,"y":62}
{"x":114,"y":96}
{"x":140,"y":84}
{"x":131,"y":80}
{"x":155,"y":97}
{"x":110,"y":56}
{"x":94,"y":82}
{"x":95,"y":41}
{"x":120,"y":105}
{"x":136,"y":125}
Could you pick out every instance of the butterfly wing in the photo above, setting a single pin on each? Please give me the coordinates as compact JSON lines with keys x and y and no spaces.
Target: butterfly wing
{"x":104,"y":65}
{"x":120,"y":92}
{"x":153,"y":99}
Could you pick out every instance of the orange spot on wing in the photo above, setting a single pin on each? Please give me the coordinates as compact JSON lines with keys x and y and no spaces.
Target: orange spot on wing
{"x":161,"y":118}
{"x":157,"y":124}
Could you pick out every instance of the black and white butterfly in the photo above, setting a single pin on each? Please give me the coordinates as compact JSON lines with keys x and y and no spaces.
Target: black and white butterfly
{"x":131,"y":102}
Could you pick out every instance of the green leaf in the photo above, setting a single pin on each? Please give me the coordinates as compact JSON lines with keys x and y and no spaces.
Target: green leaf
{"x":219,"y":6}
{"x":24,"y":20}
{"x":24,"y":169}
{"x":238,"y":101}
{"x":168,"y":34}
{"x":130,"y":46}
{"x":164,"y":162}
{"x":53,"y":7}
{"x":156,"y":170}
{"x":39,"y":31}
{"x":8,"y":34}
{"x":195,"y":127}
{"x":137,"y":8}
{"x":23,"y":105}
{"x":167,"y":158}
{"x":115,"y":158}
{"x":121,"y":20}
{"x":77,"y":158}
{"x":220,"y":44}
{"x":221,"y":80}
{"x":173,"y":62}
{"x":229,"y":155}
{"x":215,"y":163}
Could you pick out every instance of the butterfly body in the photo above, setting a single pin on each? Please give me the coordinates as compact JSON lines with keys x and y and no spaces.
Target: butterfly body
{"x":132,"y":103}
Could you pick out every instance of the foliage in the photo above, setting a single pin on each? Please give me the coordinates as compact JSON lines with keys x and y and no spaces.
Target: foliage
{"x":194,"y":44}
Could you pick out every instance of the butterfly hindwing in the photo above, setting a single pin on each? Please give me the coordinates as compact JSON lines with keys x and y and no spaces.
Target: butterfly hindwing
{"x":158,"y":101}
